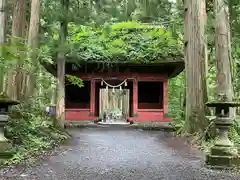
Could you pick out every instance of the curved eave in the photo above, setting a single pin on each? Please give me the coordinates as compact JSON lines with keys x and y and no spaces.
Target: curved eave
{"x":174,"y":67}
{"x":176,"y":72}
{"x":178,"y":67}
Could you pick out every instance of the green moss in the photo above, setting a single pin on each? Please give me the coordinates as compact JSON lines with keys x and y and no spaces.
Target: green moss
{"x":123,"y":42}
{"x":5,"y":99}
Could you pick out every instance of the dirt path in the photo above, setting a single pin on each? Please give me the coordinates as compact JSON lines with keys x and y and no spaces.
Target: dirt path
{"x":120,"y":154}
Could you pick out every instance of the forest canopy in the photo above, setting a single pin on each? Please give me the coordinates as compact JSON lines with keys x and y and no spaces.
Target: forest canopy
{"x":127,"y":41}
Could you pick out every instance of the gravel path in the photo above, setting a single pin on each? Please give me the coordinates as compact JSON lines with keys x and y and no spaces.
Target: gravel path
{"x":119,"y":154}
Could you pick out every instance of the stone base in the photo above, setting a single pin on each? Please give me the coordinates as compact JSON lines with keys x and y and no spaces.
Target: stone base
{"x":222,"y":162}
{"x":224,"y":151}
{"x":5,"y":150}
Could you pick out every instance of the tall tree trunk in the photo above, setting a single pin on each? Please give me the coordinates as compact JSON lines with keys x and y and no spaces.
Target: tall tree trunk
{"x":61,"y":67}
{"x":2,"y":21}
{"x":15,"y":78}
{"x":19,"y":19}
{"x":223,"y":50}
{"x":33,"y":38}
{"x":54,"y":92}
{"x":196,"y":66}
{"x":2,"y":39}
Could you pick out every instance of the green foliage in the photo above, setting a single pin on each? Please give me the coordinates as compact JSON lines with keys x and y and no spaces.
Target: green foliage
{"x":32,"y":133}
{"x":10,"y":54}
{"x":97,"y":12}
{"x":74,"y":80}
{"x":176,"y":102}
{"x":123,"y":42}
{"x":235,"y":133}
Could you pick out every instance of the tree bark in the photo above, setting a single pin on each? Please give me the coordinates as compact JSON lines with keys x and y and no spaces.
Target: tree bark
{"x":223,"y":50}
{"x":33,"y":38}
{"x":2,"y":22}
{"x":61,"y":67}
{"x":196,"y":66}
{"x":2,"y":39}
{"x":61,"y":90}
{"x":15,"y":79}
{"x":54,"y":92}
{"x":19,"y":19}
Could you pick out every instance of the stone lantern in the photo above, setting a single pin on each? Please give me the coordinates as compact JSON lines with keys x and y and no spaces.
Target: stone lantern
{"x":223,"y":154}
{"x":5,"y":103}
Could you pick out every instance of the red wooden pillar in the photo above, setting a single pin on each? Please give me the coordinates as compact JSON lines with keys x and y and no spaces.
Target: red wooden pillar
{"x":135,"y":97}
{"x":165,"y":96}
{"x":92,"y":97}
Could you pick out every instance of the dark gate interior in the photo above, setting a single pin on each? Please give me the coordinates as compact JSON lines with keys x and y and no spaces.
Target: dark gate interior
{"x":113,"y":82}
{"x":150,"y":95}
{"x":78,"y":97}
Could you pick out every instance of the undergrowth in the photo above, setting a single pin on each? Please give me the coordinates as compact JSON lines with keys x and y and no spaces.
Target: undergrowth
{"x":205,"y":145}
{"x":32,"y":133}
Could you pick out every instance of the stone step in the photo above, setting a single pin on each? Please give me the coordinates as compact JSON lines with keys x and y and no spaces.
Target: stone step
{"x":114,"y":123}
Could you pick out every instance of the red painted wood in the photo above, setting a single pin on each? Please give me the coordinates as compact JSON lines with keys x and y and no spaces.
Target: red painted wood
{"x":152,"y":110}
{"x":135,"y":97}
{"x":78,"y":106}
{"x":151,"y":116}
{"x":97,"y":94}
{"x":92,"y":97}
{"x":147,"y":106}
{"x":165,"y":96}
{"x":120,"y":76}
{"x":79,"y":114}
{"x":145,"y":114}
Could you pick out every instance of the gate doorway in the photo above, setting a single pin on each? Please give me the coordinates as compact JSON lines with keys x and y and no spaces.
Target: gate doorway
{"x":114,"y":104}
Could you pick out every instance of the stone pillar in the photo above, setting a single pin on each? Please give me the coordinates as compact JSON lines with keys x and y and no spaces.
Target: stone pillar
{"x":223,"y":154}
{"x":92,"y":97}
{"x":5,"y":145}
{"x":135,"y":97}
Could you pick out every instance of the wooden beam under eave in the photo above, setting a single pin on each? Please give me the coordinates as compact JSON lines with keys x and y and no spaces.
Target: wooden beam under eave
{"x":176,"y":71}
{"x":51,"y":68}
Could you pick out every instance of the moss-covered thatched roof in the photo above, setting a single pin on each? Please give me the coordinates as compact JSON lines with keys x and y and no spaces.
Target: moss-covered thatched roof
{"x":125,"y":42}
